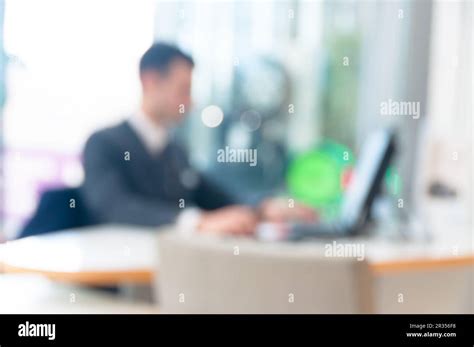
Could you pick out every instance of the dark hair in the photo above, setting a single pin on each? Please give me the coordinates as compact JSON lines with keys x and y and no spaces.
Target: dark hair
{"x":160,"y":55}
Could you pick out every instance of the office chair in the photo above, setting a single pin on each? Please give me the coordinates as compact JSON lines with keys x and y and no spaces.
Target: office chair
{"x":58,"y":209}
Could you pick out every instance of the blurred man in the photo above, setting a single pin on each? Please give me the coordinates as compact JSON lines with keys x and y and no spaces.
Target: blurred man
{"x":137,"y":173}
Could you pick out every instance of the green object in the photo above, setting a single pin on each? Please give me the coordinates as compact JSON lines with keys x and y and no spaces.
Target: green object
{"x":316,"y":177}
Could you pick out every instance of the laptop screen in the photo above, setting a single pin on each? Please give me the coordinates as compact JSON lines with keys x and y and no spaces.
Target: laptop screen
{"x":368,"y":175}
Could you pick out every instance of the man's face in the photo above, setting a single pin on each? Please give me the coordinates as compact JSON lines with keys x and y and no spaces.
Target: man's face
{"x":169,"y":93}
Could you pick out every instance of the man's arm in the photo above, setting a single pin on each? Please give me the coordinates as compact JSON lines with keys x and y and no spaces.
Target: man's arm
{"x":210,"y":196}
{"x":206,"y":194}
{"x":106,"y":193}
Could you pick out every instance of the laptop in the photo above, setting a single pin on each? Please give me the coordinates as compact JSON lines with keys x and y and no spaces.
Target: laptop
{"x":374,"y":159}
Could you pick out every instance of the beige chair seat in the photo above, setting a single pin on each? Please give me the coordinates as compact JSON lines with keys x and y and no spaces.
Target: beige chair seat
{"x":210,"y":275}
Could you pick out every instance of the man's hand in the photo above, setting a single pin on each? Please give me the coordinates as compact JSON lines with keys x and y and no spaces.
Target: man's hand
{"x":279,"y":210}
{"x":234,"y":220}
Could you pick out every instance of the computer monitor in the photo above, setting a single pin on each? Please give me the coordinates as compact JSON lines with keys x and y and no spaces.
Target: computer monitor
{"x":374,"y":159}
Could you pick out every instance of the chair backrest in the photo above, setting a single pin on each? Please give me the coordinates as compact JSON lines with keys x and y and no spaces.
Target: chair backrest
{"x":210,"y":275}
{"x":58,"y":209}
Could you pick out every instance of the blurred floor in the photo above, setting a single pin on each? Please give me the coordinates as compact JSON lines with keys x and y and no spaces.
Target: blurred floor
{"x":31,"y":294}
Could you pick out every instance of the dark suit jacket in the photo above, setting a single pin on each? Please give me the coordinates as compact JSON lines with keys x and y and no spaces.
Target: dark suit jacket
{"x":124,"y":183}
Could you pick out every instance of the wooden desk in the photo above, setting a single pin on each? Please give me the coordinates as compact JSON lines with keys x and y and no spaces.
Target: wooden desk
{"x":113,"y":255}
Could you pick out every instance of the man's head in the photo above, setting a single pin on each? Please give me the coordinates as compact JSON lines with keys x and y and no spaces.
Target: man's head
{"x":165,"y":74}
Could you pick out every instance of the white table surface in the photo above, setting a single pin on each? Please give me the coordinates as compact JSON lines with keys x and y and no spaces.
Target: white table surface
{"x":114,"y":248}
{"x":102,"y":248}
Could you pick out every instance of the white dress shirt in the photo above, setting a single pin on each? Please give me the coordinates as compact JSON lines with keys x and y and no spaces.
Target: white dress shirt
{"x":155,"y":138}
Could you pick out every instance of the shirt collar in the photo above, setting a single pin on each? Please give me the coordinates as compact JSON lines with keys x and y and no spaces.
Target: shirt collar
{"x":153,"y":136}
